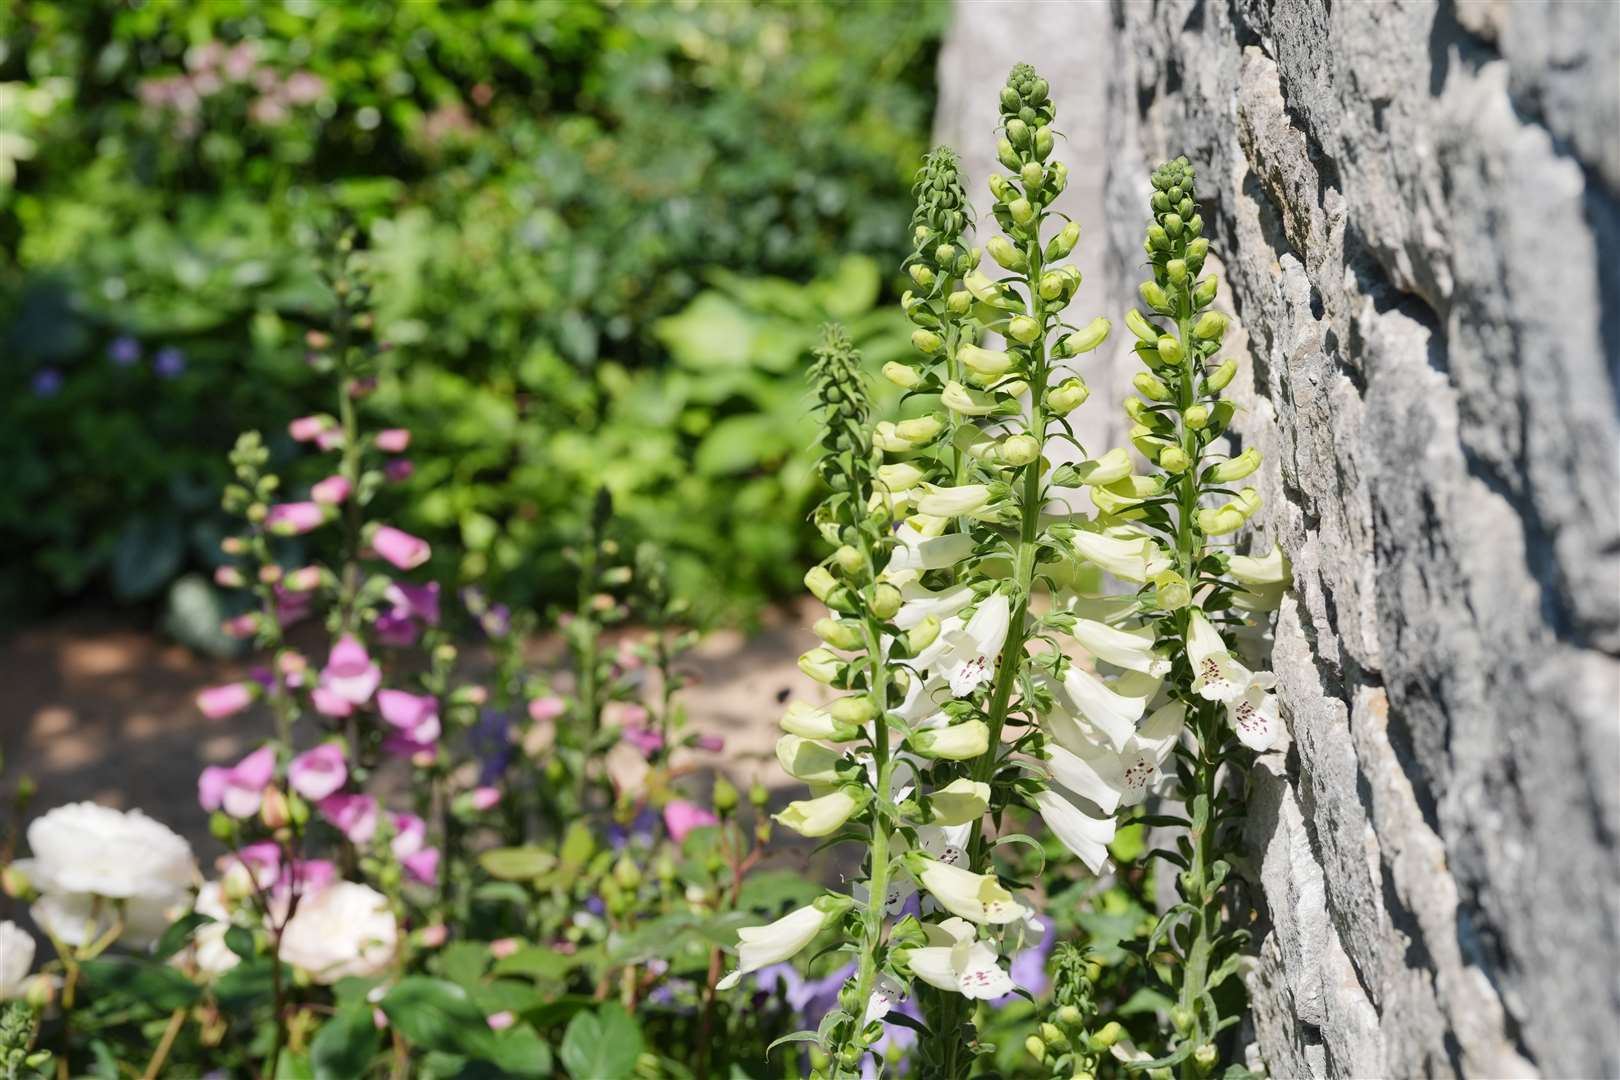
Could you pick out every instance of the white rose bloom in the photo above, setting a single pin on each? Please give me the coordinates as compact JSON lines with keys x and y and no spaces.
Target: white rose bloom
{"x":86,"y":848}
{"x":954,"y":960}
{"x":344,"y":930}
{"x":16,"y":958}
{"x":80,"y":918}
{"x":759,"y":946}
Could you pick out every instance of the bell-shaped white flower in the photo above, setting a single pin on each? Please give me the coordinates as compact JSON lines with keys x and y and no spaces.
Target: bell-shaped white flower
{"x":886,"y":994}
{"x":964,"y":655}
{"x":1129,"y":649}
{"x":953,"y":501}
{"x":1129,"y":556}
{"x":955,"y":960}
{"x":760,"y":946}
{"x":979,"y":898}
{"x":1085,"y":834}
{"x":1217,"y":676}
{"x":917,"y":553}
{"x":809,"y":722}
{"x":1109,"y":778}
{"x":1103,"y":711}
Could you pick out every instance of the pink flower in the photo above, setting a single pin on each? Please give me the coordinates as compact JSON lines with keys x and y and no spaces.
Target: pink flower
{"x":624,"y":714}
{"x":486,"y":798}
{"x":355,"y":816}
{"x":303,"y":579}
{"x":435,"y":935}
{"x":317,"y":773}
{"x":307,"y":428}
{"x":398,"y":470}
{"x":400,"y":548}
{"x":254,"y":865}
{"x":350,"y":672}
{"x":392,"y":628}
{"x":218,"y":702}
{"x":681,"y":817}
{"x":501,"y":1021}
{"x":416,"y":716}
{"x":415,"y":601}
{"x":423,"y":866}
{"x":410,"y":832}
{"x":291,"y":606}
{"x":328,"y":703}
{"x":241,"y":628}
{"x":331,"y":491}
{"x":546,"y":708}
{"x":379,"y":1019}
{"x":239,"y":789}
{"x":393,"y":440}
{"x":308,"y":876}
{"x":646,"y":740}
{"x":501,"y":948}
{"x":330,"y":439}
{"x":294,"y":518}
{"x":712,"y":743}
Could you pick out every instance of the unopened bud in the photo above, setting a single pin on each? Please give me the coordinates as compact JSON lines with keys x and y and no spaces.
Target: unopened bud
{"x":1007,"y":254}
{"x":1023,"y":329}
{"x":1154,"y":296}
{"x":1169,"y":349}
{"x":1043,"y":142}
{"x":1221,"y":376}
{"x":1052,"y":286}
{"x":1069,"y":1016}
{"x":922,"y":635}
{"x":1172,"y":224}
{"x":1036,"y":1048}
{"x":1148,"y":385}
{"x":926,"y":341}
{"x":820,"y":582}
{"x":852,"y":711}
{"x":920,"y":429}
{"x":1021,"y":210}
{"x":886,"y":601}
{"x":820,"y":665}
{"x":1197,"y":251}
{"x":1006,"y":154}
{"x":725,"y":795}
{"x":1206,"y":1056}
{"x":1067,"y":396}
{"x":273,"y":809}
{"x":1085,"y":339}
{"x":758,"y":795}
{"x":849,"y":559}
{"x":902,"y":375}
{"x":1211,"y":326}
{"x":1176,"y":270}
{"x":1017,"y":132}
{"x":1204,"y":291}
{"x":1063,"y":243}
{"x":1032,"y":174}
{"x":15,"y":884}
{"x":1053,"y":1036}
{"x":959,"y":302}
{"x":839,"y":633}
{"x":1173,"y":459}
{"x":1019,"y":450}
{"x":1236,"y":468}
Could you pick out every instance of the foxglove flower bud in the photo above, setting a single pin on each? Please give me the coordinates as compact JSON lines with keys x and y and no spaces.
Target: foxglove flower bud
{"x":820,"y":582}
{"x":1171,"y":591}
{"x":959,"y":742}
{"x":1019,"y":450}
{"x":926,"y":341}
{"x":900,"y":476}
{"x":886,"y":601}
{"x":920,"y":430}
{"x":1176,"y":270}
{"x":1085,"y":339}
{"x":849,"y":560}
{"x":922,"y":635}
{"x":1006,"y":154}
{"x":1228,"y":518}
{"x":959,"y":302}
{"x":1141,"y":327}
{"x":839,"y":633}
{"x":1197,"y":252}
{"x":1018,"y":132}
{"x":903,"y":375}
{"x":1236,"y":468}
{"x":1154,"y":297}
{"x":1021,"y":211}
{"x":959,"y":399}
{"x":809,"y":722}
{"x":825,"y":815}
{"x":1221,"y":376}
{"x":1067,"y":396}
{"x":1023,"y":329}
{"x":1172,"y":224}
{"x":1149,"y":386}
{"x":821,"y":665}
{"x":922,"y":275}
{"x":1063,"y":243}
{"x":1211,"y":326}
{"x":1204,"y":291}
{"x":808,"y":761}
{"x":986,"y":364}
{"x":1169,"y":350}
{"x":1043,"y":141}
{"x":1007,"y":254}
{"x":1173,"y":459}
{"x":1032,"y":174}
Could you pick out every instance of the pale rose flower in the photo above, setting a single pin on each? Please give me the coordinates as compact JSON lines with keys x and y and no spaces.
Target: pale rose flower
{"x":423,"y":866}
{"x":501,"y":1021}
{"x":410,"y":833}
{"x":486,"y":798}
{"x":345,"y":930}
{"x":16,"y":958}
{"x":209,"y":951}
{"x":87,"y":848}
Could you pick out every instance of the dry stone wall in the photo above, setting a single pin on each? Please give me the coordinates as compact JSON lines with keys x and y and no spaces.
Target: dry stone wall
{"x":1418,"y":208}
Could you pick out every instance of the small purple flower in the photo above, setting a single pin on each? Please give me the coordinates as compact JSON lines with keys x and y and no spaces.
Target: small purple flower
{"x":124,"y":350}
{"x":492,"y":744}
{"x":47,"y":382}
{"x":169,"y":363}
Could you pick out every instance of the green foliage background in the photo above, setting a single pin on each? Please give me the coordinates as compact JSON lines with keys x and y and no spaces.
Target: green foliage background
{"x":602,"y":237}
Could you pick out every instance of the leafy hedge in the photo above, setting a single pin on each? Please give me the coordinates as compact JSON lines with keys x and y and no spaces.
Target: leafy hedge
{"x":620,"y":222}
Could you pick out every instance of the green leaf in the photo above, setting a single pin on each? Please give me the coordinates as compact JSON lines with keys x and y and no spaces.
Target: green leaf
{"x":145,"y":982}
{"x":146,"y":556}
{"x":520,"y":1051}
{"x":537,"y":962}
{"x":239,"y":939}
{"x":179,"y":934}
{"x":344,"y":1047}
{"x":438,"y":1015}
{"x":601,"y":1045}
{"x":517,"y":863}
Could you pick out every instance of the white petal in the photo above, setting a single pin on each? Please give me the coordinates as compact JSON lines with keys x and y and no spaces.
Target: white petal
{"x":983,"y":978}
{"x":1086,"y":836}
{"x":1099,"y":777}
{"x":933,"y":966}
{"x":1254,"y":717}
{"x":1131,"y":649}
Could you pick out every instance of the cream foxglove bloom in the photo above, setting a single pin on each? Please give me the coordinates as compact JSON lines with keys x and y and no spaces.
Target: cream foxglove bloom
{"x":759,"y":946}
{"x":808,"y":761}
{"x":1128,"y":649}
{"x":16,"y":958}
{"x":918,"y":552}
{"x":953,"y":501}
{"x":919,"y":604}
{"x":1086,"y":835}
{"x":886,"y":994}
{"x":1267,"y":578}
{"x":808,"y":722}
{"x":964,"y":655}
{"x":346,"y":929}
{"x":1100,"y":711}
{"x":1112,"y":466}
{"x":954,"y":959}
{"x":1113,"y":779}
{"x":959,"y":399}
{"x":1131,"y":557}
{"x":824,"y":815}
{"x":961,"y":802}
{"x":1217,"y":676}
{"x":978,"y":898}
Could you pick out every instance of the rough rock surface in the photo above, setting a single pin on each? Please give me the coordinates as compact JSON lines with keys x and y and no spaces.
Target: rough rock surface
{"x":1418,"y":210}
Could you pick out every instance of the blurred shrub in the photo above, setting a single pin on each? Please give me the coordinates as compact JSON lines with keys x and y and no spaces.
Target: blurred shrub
{"x":591,"y":229}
